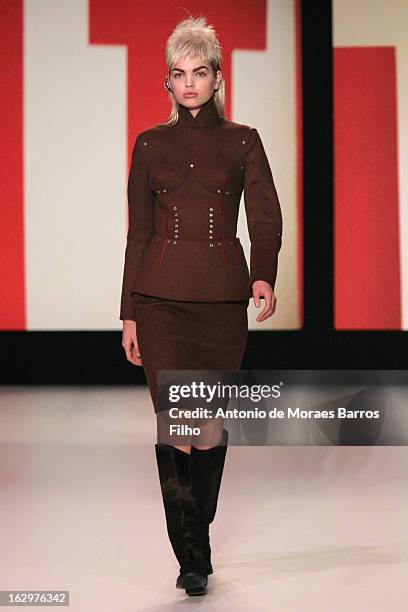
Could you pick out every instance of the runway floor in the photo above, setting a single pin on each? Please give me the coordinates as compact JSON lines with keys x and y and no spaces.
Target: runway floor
{"x":298,"y":529}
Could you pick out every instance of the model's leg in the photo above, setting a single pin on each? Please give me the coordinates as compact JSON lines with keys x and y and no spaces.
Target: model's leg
{"x":208,"y":466}
{"x":211,"y":433}
{"x":176,"y":335}
{"x":182,"y":515}
{"x":185,"y":449}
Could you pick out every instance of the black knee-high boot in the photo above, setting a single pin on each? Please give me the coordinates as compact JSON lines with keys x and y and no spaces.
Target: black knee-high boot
{"x":208,"y":466}
{"x":182,"y":515}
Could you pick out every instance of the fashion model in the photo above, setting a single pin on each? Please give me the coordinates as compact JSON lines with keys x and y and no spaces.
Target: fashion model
{"x":186,"y":283}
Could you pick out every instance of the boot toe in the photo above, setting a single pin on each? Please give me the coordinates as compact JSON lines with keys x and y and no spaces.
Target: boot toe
{"x":191,"y":580}
{"x":197,"y":591}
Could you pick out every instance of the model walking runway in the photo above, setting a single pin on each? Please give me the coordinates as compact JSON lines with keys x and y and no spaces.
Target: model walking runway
{"x":186,"y":282}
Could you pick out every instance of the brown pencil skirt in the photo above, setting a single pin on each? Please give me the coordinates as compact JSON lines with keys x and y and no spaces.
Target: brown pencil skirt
{"x":180,"y":335}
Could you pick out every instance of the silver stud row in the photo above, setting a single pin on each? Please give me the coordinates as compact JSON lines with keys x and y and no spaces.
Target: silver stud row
{"x":219,"y":243}
{"x":176,"y":231}
{"x":211,"y":221}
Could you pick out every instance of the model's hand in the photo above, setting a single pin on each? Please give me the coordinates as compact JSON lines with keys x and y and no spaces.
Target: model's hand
{"x":263,"y":289}
{"x":129,"y":342}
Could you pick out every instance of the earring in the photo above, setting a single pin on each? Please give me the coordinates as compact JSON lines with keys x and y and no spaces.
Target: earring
{"x":166,"y":84}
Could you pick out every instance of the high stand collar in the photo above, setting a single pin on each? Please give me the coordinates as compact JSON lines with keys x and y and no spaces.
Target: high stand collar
{"x":206,"y":116}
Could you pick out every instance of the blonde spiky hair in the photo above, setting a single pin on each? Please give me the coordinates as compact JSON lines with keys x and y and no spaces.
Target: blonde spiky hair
{"x":194,"y":37}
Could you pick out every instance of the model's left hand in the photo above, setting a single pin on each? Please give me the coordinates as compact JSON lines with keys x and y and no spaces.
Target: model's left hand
{"x":263,"y":289}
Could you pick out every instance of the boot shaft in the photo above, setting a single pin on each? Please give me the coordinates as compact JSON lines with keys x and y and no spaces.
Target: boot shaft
{"x":208,"y":467}
{"x":181,"y":508}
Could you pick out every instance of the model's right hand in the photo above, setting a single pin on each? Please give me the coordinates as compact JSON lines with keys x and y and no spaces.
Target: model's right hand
{"x":129,"y":342}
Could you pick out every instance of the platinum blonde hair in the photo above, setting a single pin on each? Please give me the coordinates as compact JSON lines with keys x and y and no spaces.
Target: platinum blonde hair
{"x":196,"y":38}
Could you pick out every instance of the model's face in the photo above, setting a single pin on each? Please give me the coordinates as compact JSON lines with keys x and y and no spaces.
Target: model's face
{"x":193,"y":76}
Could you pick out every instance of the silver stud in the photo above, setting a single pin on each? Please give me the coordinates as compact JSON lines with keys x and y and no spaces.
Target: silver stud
{"x":242,"y":167}
{"x":229,"y":242}
{"x":145,"y":143}
{"x":243,"y":142}
{"x":218,"y":190}
{"x":219,"y":243}
{"x":176,"y":225}
{"x":227,"y":192}
{"x":210,"y":231}
{"x":176,"y":214}
{"x":191,"y":165}
{"x":211,"y":209}
{"x":174,"y":242}
{"x":164,"y":190}
{"x":158,"y":191}
{"x":211,"y":225}
{"x":169,"y":241}
{"x":174,"y":207}
{"x":211,"y":244}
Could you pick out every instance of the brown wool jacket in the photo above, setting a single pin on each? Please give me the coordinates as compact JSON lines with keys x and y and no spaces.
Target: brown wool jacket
{"x":184,"y":191}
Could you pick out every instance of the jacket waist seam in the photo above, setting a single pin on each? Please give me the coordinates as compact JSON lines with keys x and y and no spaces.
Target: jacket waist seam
{"x":223,"y":239}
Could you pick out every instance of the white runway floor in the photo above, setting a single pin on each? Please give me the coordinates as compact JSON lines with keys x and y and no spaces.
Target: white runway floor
{"x":298,"y":529}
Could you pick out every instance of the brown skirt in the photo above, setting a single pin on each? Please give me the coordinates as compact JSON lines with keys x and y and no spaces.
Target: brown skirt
{"x":179,"y":335}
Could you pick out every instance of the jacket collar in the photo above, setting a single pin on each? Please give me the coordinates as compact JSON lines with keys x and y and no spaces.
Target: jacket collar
{"x":206,"y":116}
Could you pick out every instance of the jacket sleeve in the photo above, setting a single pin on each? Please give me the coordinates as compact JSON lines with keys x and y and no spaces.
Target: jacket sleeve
{"x":263,"y":213}
{"x":141,"y":223}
